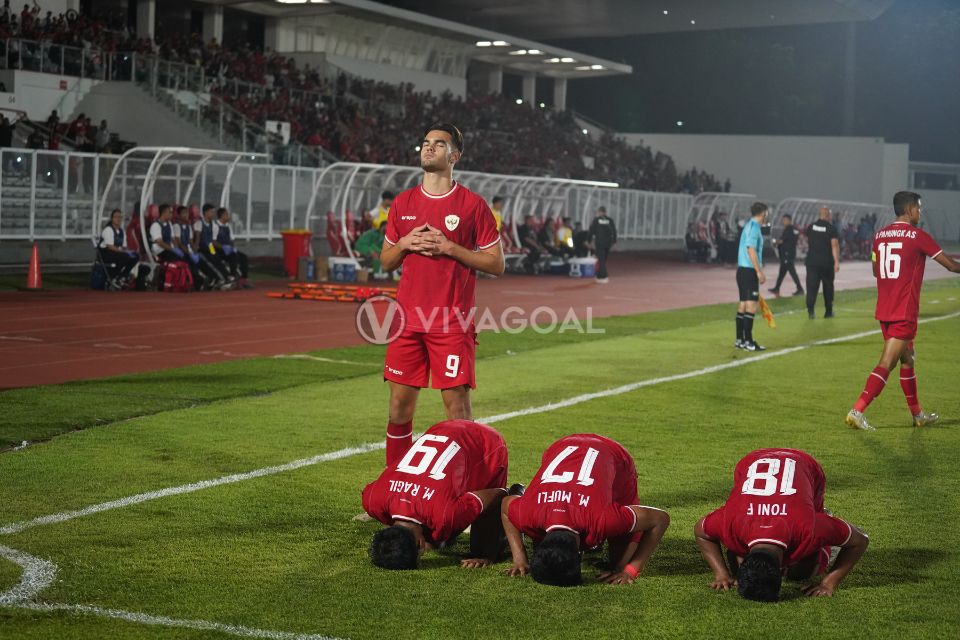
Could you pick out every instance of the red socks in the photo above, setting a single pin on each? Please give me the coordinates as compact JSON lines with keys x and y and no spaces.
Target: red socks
{"x":399,"y":439}
{"x":876,"y":381}
{"x":908,"y":382}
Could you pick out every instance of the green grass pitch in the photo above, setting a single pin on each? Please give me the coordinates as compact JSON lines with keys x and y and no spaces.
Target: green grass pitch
{"x":282,"y":555}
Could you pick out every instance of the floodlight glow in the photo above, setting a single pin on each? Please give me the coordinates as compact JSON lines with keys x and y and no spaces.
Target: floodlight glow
{"x":597,"y":67}
{"x":679,"y":123}
{"x":519,"y":101}
{"x":535,"y":52}
{"x":501,"y":43}
{"x":665,"y":12}
{"x":484,"y":43}
{"x":519,"y":52}
{"x":543,"y":106}
{"x":585,"y":132}
{"x":567,"y":60}
{"x":552,"y":60}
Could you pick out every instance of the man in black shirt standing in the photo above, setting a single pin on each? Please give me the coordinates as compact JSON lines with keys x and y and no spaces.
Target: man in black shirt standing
{"x":823,"y":262}
{"x":787,"y":246}
{"x":603,"y":234}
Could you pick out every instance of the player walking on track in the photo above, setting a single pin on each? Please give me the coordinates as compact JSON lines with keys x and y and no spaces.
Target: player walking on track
{"x":773,"y":524}
{"x":451,"y":478}
{"x":584,"y":493}
{"x":899,"y":255}
{"x":750,"y":276}
{"x":441,"y":233}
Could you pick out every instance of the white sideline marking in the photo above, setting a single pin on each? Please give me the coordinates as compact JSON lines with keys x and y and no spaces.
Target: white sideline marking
{"x":37,"y":576}
{"x":304,"y":356}
{"x":144,"y":618}
{"x":63,"y":516}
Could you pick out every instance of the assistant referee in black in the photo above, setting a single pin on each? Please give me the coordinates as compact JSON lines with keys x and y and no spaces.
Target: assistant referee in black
{"x":823,"y":262}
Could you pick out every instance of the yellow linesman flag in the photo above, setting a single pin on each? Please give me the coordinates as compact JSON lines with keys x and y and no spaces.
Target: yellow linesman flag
{"x":767,"y":313}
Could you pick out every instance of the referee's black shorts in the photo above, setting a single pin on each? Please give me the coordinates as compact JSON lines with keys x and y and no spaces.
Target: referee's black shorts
{"x":748,"y":283}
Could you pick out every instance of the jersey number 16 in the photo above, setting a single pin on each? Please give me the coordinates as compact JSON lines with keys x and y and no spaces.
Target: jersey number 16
{"x":889,"y":261}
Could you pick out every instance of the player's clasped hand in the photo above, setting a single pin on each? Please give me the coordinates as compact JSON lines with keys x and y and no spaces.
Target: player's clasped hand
{"x":518,"y":569}
{"x":421,"y":240}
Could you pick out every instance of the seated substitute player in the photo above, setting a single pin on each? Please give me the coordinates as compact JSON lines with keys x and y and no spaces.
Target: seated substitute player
{"x":442,"y":233}
{"x":899,"y":256}
{"x":774,"y":524}
{"x":584,"y":493}
{"x":452,"y":477}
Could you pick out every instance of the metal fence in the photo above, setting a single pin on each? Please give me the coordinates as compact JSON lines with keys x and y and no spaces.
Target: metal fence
{"x":58,"y":195}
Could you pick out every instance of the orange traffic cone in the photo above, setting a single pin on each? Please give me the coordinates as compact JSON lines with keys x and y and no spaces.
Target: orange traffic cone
{"x":34,"y":281}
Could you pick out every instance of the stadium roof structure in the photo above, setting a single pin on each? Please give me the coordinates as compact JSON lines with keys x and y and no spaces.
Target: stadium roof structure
{"x":513,"y":53}
{"x":559,"y":19}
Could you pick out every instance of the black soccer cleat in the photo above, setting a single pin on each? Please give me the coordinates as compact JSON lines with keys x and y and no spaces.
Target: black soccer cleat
{"x":753,"y":346}
{"x":516,"y":489}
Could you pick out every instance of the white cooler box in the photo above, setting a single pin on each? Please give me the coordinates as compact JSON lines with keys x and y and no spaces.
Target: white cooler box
{"x":583,"y":268}
{"x":343,"y":269}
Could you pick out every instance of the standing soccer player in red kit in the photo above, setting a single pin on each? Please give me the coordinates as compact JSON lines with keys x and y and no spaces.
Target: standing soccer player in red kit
{"x":774,"y":524}
{"x":441,"y":233}
{"x":899,"y":255}
{"x":451,"y":478}
{"x":584,"y":493}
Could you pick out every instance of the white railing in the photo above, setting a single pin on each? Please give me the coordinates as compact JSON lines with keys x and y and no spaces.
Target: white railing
{"x":59,"y":195}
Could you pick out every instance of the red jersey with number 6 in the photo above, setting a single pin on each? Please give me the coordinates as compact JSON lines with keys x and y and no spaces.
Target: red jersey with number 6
{"x":777,"y":498}
{"x":431,"y":484}
{"x":585,"y":484}
{"x":900,"y":252}
{"x":436,"y":293}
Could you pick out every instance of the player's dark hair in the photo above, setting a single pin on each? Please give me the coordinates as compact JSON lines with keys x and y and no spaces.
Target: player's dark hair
{"x":788,"y":217}
{"x":757,"y":208}
{"x":497,"y":199}
{"x":181,"y":209}
{"x":164,"y":207}
{"x":222,"y":211}
{"x":207,"y":207}
{"x":394,"y":548}
{"x":455,"y":134}
{"x":902,"y":200}
{"x":556,"y":560}
{"x":386,"y":195}
{"x":758,"y":577}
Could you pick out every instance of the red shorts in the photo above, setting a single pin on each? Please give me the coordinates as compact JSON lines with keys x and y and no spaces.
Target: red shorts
{"x":445,"y":359}
{"x":901,"y":330}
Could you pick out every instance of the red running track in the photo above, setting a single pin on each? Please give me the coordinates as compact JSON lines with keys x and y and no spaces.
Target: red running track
{"x":57,"y":336}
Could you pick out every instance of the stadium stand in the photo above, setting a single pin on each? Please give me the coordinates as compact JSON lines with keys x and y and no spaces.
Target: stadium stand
{"x":363,"y":120}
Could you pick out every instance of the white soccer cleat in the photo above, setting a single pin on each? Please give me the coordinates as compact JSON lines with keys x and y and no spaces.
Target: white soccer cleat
{"x":856,"y":420}
{"x":924,"y":419}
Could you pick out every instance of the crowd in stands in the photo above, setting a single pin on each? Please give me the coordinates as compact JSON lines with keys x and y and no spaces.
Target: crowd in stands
{"x":363,"y":120}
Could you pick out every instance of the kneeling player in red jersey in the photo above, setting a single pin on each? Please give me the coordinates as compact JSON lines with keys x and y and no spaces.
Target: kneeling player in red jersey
{"x":774,"y":524}
{"x":899,"y":255}
{"x":452,"y":477}
{"x":584,"y":493}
